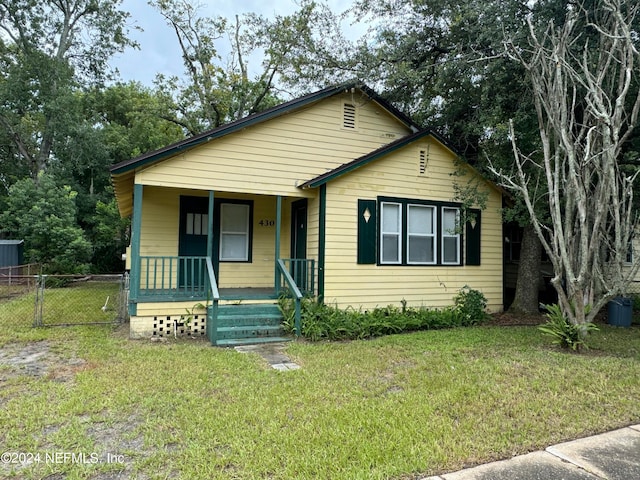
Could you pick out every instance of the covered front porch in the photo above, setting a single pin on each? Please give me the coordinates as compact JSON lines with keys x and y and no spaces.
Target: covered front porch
{"x":215,"y":250}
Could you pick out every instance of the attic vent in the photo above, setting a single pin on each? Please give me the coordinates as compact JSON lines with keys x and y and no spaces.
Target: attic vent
{"x":349,"y":118}
{"x":423,"y":162}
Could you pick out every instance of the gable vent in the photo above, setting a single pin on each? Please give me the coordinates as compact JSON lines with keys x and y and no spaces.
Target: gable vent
{"x":423,"y":162}
{"x":349,"y":116}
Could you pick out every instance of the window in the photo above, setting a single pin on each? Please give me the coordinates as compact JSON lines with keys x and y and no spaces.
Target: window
{"x":391,"y":233}
{"x":196,"y":223}
{"x":421,"y":237}
{"x":450,"y":236}
{"x":421,"y":232}
{"x":234,"y":232}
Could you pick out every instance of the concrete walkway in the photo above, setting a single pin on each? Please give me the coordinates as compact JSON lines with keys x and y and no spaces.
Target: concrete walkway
{"x":611,"y":456}
{"x":273,"y":353}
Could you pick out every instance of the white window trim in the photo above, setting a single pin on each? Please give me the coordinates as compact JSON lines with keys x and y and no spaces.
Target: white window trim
{"x":246,"y":233}
{"x":444,"y":235}
{"x":398,"y":233}
{"x":434,"y":235}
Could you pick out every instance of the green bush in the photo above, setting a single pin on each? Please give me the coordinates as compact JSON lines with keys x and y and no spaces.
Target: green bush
{"x":563,"y":332}
{"x":471,"y":306}
{"x":320,"y":321}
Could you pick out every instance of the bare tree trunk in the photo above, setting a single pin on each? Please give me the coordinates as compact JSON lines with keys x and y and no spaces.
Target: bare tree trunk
{"x":528,"y":282}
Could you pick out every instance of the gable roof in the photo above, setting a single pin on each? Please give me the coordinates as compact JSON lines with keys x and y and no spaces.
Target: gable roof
{"x":207,"y":136}
{"x":376,"y":154}
{"x":387,"y":149}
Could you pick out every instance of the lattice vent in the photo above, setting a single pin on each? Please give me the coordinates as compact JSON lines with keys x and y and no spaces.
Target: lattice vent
{"x":164,"y":326}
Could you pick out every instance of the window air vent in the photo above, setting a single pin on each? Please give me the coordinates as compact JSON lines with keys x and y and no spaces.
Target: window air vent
{"x":349,"y":120}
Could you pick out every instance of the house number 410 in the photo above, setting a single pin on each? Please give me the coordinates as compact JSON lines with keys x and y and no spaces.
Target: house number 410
{"x":267,"y":223}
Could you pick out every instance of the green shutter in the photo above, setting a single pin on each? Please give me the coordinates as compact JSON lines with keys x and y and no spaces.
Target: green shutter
{"x":367,"y":222}
{"x":472,"y":236}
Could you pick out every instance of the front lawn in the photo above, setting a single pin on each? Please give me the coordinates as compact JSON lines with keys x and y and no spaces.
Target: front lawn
{"x":398,"y":407}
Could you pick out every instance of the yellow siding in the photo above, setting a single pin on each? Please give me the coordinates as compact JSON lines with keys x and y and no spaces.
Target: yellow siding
{"x":259,"y":159}
{"x":160,"y":221}
{"x":368,"y":286}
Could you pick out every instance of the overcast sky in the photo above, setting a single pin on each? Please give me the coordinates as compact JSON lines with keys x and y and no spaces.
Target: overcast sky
{"x":159,"y":51}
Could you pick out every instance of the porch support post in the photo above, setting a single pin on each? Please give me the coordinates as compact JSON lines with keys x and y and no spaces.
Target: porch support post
{"x":277,"y":252}
{"x":210,"y":226}
{"x":136,"y":228}
{"x":322,"y":226}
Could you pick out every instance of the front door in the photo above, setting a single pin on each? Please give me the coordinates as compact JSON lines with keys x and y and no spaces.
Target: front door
{"x":299,"y":243}
{"x":194,"y":219}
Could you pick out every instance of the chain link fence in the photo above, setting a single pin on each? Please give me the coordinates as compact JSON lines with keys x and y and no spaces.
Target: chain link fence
{"x":17,"y":281}
{"x":80,"y":299}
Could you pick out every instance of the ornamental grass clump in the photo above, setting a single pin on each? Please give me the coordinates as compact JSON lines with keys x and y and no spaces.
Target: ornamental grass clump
{"x":563,"y":332}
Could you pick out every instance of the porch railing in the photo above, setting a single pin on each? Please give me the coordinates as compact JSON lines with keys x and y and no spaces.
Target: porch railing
{"x":174,"y":277}
{"x":294,"y":290}
{"x":212,"y":312}
{"x":302,"y":271}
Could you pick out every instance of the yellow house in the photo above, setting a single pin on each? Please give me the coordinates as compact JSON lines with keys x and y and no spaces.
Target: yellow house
{"x":336,"y":194}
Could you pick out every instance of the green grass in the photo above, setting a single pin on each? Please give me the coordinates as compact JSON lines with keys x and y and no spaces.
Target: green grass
{"x":394,"y":407}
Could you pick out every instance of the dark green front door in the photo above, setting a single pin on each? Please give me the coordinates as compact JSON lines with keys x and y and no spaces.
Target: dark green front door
{"x":192,"y":242}
{"x":299,"y":243}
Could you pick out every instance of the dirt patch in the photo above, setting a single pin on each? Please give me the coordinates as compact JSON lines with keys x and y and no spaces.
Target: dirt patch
{"x":505,"y":319}
{"x":38,"y":359}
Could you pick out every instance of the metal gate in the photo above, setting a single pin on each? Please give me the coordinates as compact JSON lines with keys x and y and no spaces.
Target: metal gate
{"x":80,"y":299}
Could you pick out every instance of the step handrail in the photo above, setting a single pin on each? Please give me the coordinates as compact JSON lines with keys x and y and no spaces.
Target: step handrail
{"x":212,"y":321}
{"x":294,"y":290}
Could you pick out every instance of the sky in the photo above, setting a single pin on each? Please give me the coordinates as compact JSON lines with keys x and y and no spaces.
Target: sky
{"x":159,"y":51}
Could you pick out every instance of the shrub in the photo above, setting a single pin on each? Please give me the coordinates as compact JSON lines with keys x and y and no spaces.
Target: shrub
{"x":563,"y":332}
{"x":320,"y":321}
{"x":471,"y":306}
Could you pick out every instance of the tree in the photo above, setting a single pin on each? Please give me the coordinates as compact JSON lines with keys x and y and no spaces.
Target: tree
{"x":109,"y":234}
{"x":218,"y":89}
{"x":44,"y":215}
{"x":48,"y":49}
{"x":126,"y":123}
{"x":587,"y":102}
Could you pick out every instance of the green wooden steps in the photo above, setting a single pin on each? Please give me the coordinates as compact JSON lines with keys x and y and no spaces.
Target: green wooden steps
{"x":246,"y":324}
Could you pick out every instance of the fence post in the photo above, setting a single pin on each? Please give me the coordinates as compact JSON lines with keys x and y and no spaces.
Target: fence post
{"x":39,"y":300}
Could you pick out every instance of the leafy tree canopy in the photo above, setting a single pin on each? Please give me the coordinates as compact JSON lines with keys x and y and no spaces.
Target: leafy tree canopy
{"x":44,"y":215}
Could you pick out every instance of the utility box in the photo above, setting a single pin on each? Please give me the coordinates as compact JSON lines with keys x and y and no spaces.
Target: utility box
{"x":11,"y":253}
{"x":620,"y":312}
